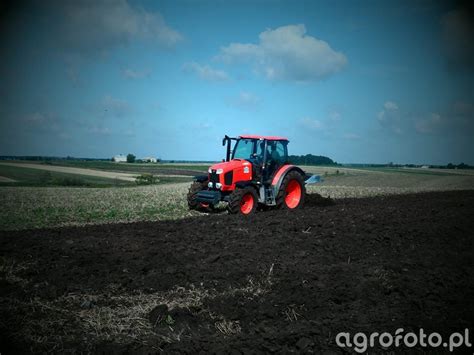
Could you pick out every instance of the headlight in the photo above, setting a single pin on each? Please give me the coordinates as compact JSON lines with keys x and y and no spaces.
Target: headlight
{"x":219,"y":171}
{"x":218,"y":185}
{"x":209,"y":171}
{"x":209,"y":184}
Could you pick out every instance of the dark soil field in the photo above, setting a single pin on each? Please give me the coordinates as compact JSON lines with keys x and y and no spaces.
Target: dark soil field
{"x":278,"y":281}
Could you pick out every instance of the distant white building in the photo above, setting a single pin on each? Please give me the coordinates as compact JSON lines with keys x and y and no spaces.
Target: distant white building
{"x":149,"y":160}
{"x":120,"y":158}
{"x":425,"y":166}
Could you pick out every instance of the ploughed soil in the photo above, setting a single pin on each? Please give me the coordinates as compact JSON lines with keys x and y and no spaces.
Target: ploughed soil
{"x":278,"y":281}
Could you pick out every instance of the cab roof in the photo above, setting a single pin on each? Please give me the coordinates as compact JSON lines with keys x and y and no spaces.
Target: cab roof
{"x":269,"y":138}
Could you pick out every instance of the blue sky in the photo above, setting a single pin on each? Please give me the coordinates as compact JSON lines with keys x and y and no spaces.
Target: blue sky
{"x":358,"y":81}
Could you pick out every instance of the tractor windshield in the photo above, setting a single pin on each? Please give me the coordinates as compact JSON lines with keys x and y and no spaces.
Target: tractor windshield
{"x":244,"y":149}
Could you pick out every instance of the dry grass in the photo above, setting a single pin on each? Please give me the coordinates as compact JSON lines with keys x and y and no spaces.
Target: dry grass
{"x":256,"y":286}
{"x":366,"y":183}
{"x":113,"y":315}
{"x":291,"y":315}
{"x":34,"y":207}
{"x":228,"y":327}
{"x":10,"y":271}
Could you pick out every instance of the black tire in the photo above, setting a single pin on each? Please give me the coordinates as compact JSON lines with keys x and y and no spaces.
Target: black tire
{"x":235,"y":198}
{"x":280,"y":199}
{"x":192,"y":194}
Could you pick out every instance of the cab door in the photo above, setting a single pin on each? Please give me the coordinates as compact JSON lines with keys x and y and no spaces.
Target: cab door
{"x":277,"y":156}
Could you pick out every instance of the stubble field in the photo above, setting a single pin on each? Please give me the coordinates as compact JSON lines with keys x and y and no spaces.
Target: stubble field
{"x":23,"y":207}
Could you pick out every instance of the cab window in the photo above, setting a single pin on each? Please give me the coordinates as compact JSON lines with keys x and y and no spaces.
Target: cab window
{"x":243,"y":149}
{"x":277,"y":151}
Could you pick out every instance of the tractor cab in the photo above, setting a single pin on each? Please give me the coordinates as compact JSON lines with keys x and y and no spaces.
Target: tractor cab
{"x":266,"y":154}
{"x":255,"y":171}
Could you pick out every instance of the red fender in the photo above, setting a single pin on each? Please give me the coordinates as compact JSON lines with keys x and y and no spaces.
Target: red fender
{"x":281,"y":173}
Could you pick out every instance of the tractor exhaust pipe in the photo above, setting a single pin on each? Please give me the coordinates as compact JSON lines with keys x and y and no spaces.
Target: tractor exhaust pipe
{"x":228,"y":140}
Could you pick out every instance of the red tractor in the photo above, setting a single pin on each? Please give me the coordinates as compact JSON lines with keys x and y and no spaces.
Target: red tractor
{"x":255,"y":172}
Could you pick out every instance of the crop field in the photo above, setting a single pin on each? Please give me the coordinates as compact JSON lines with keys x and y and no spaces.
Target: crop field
{"x":128,"y":268}
{"x":31,"y":175}
{"x":25,"y":207}
{"x":345,"y":182}
{"x":30,"y":207}
{"x":40,"y":174}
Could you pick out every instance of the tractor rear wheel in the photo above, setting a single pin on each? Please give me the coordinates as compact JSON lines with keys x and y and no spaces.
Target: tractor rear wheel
{"x":243,"y":201}
{"x":292,"y":191}
{"x":192,"y":195}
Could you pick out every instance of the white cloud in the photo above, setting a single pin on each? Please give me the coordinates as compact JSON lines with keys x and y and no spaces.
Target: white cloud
{"x":116,"y":107}
{"x":245,"y":100}
{"x":335,"y":116}
{"x":205,"y":72}
{"x":456,"y":118}
{"x":35,"y":118}
{"x":99,"y":130}
{"x":311,"y":124}
{"x":99,"y":25}
{"x":428,"y":125}
{"x":135,"y":74}
{"x":287,"y":53}
{"x":64,"y":136}
{"x":389,"y":117}
{"x":351,"y":136}
{"x":129,"y":133}
{"x":389,"y":105}
{"x":328,"y":124}
{"x":43,"y":122}
{"x":200,"y":126}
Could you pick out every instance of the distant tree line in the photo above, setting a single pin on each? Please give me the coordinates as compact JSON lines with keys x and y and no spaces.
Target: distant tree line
{"x":310,"y":159}
{"x":392,"y":165}
{"x":459,"y":166}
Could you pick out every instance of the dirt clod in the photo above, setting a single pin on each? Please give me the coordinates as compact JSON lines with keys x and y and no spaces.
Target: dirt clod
{"x":158,"y":314}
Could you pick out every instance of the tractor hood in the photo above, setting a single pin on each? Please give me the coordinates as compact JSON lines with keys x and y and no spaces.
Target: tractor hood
{"x":235,"y":164}
{"x":225,"y":175}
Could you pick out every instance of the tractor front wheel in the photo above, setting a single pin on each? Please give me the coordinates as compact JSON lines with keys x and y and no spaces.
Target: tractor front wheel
{"x":292,"y":191}
{"x":243,"y":201}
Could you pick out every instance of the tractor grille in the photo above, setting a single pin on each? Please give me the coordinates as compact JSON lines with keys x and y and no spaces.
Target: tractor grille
{"x":228,"y":177}
{"x":213,"y":177}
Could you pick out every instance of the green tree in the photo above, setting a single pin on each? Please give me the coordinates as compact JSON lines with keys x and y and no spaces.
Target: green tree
{"x":310,"y":159}
{"x":130,"y":158}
